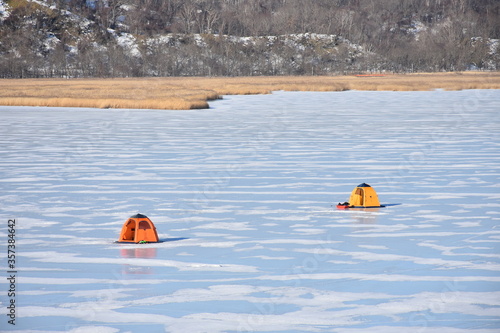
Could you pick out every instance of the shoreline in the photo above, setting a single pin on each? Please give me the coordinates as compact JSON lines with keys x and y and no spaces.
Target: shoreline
{"x":184,"y":93}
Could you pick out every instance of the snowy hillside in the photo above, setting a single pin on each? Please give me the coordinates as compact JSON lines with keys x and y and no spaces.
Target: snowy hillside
{"x":4,"y":11}
{"x":271,"y":37}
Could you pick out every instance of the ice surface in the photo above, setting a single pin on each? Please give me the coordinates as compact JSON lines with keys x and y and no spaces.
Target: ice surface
{"x":241,"y":195}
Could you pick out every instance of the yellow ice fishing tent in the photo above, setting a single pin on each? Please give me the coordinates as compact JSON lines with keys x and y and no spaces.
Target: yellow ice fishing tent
{"x":364,"y":196}
{"x":138,"y":229}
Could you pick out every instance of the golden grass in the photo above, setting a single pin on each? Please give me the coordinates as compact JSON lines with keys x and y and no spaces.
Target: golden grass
{"x":195,"y":92}
{"x":101,"y":103}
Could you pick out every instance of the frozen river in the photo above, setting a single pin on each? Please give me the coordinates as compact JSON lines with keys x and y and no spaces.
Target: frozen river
{"x":241,"y":195}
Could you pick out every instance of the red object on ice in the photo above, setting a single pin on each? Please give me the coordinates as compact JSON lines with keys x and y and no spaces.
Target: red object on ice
{"x":138,"y":229}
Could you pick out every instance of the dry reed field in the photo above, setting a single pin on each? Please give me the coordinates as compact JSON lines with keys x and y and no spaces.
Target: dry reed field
{"x":183,"y":93}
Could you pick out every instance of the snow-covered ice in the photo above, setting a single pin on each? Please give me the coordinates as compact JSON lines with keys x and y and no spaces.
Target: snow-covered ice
{"x":241,"y":195}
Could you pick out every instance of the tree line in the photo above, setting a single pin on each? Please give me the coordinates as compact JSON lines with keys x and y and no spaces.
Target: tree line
{"x":116,"y":38}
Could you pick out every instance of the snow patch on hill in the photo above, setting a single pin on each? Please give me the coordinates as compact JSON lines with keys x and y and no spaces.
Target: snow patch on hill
{"x":299,"y":42}
{"x":4,"y":10}
{"x":127,"y":41}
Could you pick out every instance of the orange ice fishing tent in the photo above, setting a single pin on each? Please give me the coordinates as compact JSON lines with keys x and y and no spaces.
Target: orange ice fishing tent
{"x":363,"y":196}
{"x":138,"y":229}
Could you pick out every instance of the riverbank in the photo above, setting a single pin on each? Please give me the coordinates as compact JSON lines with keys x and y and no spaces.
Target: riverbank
{"x":183,"y":93}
